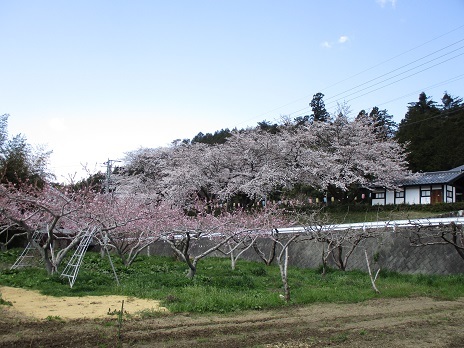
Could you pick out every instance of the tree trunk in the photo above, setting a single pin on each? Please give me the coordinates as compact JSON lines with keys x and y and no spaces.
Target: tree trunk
{"x":373,"y":278}
{"x":283,"y":266}
{"x":324,"y":261}
{"x":456,"y":240}
{"x":232,"y":261}
{"x":192,"y":270}
{"x":338,"y":259}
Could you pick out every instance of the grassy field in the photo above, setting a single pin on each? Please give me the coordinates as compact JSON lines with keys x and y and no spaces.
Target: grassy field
{"x":218,"y":289}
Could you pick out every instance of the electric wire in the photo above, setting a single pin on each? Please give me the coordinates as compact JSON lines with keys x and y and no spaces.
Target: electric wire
{"x":390,"y":72}
{"x":370,"y":68}
{"x":401,"y":79}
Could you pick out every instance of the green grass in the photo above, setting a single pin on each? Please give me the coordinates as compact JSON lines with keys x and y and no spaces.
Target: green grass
{"x":218,"y":289}
{"x":359,"y":216}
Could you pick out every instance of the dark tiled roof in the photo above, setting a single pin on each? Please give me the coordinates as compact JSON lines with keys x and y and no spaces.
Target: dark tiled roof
{"x":444,"y":177}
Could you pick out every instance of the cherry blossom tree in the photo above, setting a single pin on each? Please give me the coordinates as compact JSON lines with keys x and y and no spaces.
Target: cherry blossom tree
{"x":144,"y":172}
{"x":336,"y":157}
{"x":257,"y":162}
{"x":342,"y":155}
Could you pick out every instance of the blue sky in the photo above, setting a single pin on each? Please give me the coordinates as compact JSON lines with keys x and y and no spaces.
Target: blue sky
{"x":95,"y":79}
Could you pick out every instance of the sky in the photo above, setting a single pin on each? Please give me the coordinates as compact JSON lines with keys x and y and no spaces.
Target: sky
{"x":93,"y":80}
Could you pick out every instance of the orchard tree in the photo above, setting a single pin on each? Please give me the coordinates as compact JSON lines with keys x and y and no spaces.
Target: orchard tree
{"x":446,"y":234}
{"x":259,"y":223}
{"x":124,"y":223}
{"x":198,"y":234}
{"x":337,"y":244}
{"x":54,"y":211}
{"x":190,"y":233}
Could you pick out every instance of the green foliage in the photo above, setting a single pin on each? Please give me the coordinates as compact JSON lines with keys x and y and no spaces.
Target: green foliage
{"x":219,"y":137}
{"x":433,"y":134}
{"x":55,"y":318}
{"x":218,"y":288}
{"x":320,"y":114}
{"x":19,"y":161}
{"x":350,"y":213}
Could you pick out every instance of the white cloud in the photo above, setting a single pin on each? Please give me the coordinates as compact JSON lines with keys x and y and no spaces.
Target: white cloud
{"x":326,"y":44}
{"x":383,"y":3}
{"x":343,"y":39}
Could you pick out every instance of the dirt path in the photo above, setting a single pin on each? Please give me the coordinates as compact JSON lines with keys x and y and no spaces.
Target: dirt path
{"x":415,"y":322}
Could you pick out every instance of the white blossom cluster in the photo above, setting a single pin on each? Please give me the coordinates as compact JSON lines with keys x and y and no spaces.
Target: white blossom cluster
{"x":340,"y":154}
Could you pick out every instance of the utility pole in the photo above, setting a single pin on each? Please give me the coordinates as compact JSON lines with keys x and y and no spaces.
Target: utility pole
{"x":109,"y":167}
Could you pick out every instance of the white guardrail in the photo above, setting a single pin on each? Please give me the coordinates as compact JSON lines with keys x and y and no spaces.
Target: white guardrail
{"x":379,"y":224}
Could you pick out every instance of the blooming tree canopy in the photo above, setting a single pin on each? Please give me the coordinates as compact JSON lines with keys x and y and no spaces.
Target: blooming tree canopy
{"x":327,"y":156}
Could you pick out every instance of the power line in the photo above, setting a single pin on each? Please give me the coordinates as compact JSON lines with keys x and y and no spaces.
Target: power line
{"x":370,"y":68}
{"x":394,"y":57}
{"x":441,"y":114}
{"x":454,"y":79}
{"x":389,"y":84}
{"x":390,"y":72}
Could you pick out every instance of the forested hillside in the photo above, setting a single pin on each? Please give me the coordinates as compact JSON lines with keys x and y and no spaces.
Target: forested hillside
{"x":434,"y":133}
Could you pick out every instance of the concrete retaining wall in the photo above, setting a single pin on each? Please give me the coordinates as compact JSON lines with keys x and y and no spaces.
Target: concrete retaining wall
{"x":392,"y":251}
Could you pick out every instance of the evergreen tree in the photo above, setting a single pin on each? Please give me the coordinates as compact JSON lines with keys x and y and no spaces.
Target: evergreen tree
{"x":382,"y":122}
{"x":219,"y":137}
{"x":433,"y":134}
{"x":268,"y":127}
{"x":320,"y":113}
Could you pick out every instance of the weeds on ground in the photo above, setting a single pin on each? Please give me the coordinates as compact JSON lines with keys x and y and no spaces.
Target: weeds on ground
{"x":217,"y":288}
{"x":4,"y":302}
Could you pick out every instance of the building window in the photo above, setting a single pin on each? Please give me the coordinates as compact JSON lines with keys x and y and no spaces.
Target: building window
{"x":425,"y":193}
{"x":399,"y":194}
{"x":449,"y":194}
{"x":379,"y":195}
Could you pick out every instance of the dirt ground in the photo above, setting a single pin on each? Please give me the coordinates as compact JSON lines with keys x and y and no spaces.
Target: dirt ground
{"x":39,"y":321}
{"x":33,"y":304}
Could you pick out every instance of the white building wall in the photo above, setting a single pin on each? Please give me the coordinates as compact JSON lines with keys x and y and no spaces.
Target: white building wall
{"x":390,"y":197}
{"x":378,"y":201}
{"x":412,"y":195}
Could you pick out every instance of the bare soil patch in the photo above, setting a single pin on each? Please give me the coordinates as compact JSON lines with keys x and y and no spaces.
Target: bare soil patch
{"x":410,"y":322}
{"x":33,"y":304}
